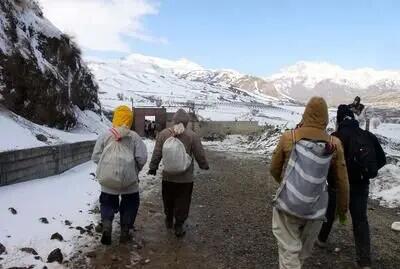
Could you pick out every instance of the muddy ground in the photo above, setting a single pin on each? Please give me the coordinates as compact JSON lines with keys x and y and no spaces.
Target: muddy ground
{"x":230,"y":227}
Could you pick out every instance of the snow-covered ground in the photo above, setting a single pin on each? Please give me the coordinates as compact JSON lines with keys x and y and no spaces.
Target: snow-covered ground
{"x":19,"y":133}
{"x":70,"y":196}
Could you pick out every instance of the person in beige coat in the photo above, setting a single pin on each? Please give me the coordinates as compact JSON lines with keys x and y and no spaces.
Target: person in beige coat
{"x":177,"y":188}
{"x":296,"y":236}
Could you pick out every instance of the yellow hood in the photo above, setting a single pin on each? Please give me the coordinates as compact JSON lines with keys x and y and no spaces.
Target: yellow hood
{"x":316,"y":114}
{"x":123,"y":116}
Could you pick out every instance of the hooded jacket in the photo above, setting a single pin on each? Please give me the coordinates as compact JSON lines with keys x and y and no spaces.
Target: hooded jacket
{"x":123,"y":118}
{"x":192,"y":144}
{"x":347,"y":129}
{"x":313,"y":126}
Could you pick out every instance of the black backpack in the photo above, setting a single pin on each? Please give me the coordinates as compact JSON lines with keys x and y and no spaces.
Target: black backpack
{"x":362,"y":154}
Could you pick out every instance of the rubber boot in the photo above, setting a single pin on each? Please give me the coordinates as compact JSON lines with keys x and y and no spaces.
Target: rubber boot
{"x":125,"y":236}
{"x":107,"y":231}
{"x":179,"y":230}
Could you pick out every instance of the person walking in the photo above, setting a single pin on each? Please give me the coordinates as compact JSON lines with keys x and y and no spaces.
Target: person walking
{"x":364,"y":157}
{"x":120,"y":155}
{"x":177,"y":147}
{"x":300,"y":163}
{"x":356,"y":107}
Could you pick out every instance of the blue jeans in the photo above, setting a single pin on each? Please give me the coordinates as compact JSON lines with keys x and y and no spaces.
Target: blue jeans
{"x":127,"y":208}
{"x":358,"y":211}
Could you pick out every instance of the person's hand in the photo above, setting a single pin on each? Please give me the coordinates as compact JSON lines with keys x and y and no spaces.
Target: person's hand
{"x":152,"y":172}
{"x":342,"y":218}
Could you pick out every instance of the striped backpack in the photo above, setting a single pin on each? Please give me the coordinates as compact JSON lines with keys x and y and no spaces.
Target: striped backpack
{"x":303,"y":192}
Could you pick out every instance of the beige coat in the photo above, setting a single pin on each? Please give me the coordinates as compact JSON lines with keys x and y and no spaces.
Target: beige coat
{"x":314,"y":123}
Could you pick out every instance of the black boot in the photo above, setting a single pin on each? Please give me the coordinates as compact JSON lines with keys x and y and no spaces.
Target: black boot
{"x":169,"y":222}
{"x":107,"y":231}
{"x":125,"y":236}
{"x":179,"y":230}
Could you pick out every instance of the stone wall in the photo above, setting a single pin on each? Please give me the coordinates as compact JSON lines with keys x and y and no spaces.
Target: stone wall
{"x":206,"y":128}
{"x":26,"y":164}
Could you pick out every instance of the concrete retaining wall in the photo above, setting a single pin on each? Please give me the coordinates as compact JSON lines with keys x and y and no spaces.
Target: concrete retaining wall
{"x":206,"y":128}
{"x":26,"y":164}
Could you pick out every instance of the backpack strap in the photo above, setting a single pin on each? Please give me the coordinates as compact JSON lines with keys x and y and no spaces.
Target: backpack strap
{"x":116,"y":134}
{"x":294,"y":137}
{"x":172,"y":132}
{"x":330,"y":147}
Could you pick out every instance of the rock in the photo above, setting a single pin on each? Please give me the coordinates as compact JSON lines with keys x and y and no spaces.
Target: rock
{"x":115,"y":258}
{"x":13,"y":211}
{"x":41,"y":137}
{"x":44,"y":220}
{"x":91,"y":254}
{"x":67,"y":223}
{"x":57,"y":236}
{"x":89,"y":227}
{"x":30,"y":251}
{"x":146,"y":261}
{"x":2,"y":249}
{"x":80,"y":229}
{"x":55,"y":256}
{"x":396,"y":226}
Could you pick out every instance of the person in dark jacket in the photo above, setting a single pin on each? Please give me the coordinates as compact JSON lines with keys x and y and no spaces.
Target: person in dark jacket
{"x":356,"y":107}
{"x":348,"y":127}
{"x":177,"y":188}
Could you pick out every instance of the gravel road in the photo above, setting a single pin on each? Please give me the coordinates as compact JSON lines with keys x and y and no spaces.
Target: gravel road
{"x":230,"y":227}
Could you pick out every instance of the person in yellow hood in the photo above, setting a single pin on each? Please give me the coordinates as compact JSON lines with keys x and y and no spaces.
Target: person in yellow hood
{"x":120,"y":154}
{"x":296,"y":236}
{"x":123,"y":116}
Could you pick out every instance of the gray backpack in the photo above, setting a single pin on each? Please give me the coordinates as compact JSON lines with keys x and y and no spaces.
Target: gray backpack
{"x":303,"y":192}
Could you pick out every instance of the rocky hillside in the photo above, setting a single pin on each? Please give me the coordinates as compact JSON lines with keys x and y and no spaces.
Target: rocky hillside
{"x":42,"y":75}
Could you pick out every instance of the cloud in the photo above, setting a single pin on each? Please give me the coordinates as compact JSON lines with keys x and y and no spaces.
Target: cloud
{"x":102,"y":24}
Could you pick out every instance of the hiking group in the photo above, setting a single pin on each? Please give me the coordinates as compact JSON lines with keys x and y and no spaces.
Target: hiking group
{"x":121,"y":154}
{"x":321,"y":176}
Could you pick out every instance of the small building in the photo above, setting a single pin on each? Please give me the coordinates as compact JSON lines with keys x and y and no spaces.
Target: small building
{"x":156,"y":114}
{"x":160,"y":116}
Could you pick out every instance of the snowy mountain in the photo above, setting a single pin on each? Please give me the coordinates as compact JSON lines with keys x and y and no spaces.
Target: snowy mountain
{"x":42,"y":75}
{"x":148,"y":81}
{"x":230,"y":77}
{"x":305,"y":79}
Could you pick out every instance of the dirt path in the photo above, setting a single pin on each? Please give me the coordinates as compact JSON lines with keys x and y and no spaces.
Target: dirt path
{"x":230,"y":227}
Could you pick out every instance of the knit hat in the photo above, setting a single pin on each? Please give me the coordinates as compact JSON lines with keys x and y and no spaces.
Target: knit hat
{"x":344,"y":113}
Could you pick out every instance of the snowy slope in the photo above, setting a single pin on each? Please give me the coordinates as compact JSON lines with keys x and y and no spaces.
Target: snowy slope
{"x":19,"y":133}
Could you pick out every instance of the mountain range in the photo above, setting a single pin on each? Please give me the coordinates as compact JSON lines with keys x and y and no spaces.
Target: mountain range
{"x":296,"y":83}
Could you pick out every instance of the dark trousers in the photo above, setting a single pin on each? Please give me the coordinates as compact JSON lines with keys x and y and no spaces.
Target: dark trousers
{"x":110,"y":204}
{"x":358,"y":212}
{"x":177,"y":198}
